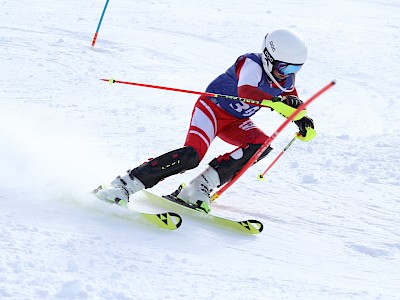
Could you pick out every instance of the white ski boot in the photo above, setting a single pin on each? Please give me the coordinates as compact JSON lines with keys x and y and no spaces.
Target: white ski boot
{"x":120,"y":189}
{"x":199,"y":189}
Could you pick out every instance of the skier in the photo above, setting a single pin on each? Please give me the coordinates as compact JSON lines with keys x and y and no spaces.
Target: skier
{"x":268,"y":75}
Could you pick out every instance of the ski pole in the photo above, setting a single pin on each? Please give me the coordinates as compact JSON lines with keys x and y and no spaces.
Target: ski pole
{"x":261,"y":175}
{"x":263,"y":103}
{"x":269,"y":141}
{"x":98,"y":26}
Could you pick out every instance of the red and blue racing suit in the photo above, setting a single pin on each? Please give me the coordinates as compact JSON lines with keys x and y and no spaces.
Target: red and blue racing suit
{"x":230,"y":119}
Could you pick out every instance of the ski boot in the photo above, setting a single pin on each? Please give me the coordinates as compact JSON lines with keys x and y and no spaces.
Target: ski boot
{"x":119,"y":190}
{"x":197,"y":193}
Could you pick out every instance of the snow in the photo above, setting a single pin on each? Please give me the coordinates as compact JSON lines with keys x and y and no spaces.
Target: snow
{"x":330,"y":207}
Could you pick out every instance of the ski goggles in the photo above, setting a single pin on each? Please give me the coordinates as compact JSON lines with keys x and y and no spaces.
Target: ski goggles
{"x":286,"y":69}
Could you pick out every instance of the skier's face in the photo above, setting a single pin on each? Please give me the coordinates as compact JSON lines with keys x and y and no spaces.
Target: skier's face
{"x":278,"y":75}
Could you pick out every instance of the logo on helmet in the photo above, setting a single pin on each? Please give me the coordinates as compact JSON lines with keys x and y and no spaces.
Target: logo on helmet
{"x":272,"y":46}
{"x":268,"y":56}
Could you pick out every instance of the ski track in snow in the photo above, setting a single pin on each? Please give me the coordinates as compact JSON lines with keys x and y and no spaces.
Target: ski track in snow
{"x":330,"y":207}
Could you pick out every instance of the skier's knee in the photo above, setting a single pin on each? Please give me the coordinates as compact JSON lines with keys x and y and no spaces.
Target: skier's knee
{"x":229,"y":164}
{"x":168,"y":164}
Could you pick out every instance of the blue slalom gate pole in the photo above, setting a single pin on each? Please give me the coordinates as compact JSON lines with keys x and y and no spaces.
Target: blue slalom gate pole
{"x":98,"y":26}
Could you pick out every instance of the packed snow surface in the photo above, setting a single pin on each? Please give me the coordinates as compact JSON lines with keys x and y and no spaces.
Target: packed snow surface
{"x":330,"y":207}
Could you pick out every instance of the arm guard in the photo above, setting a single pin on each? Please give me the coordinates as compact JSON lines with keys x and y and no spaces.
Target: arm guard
{"x":283,"y":109}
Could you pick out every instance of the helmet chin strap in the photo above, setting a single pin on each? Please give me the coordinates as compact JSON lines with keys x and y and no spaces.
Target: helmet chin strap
{"x":272,"y":77}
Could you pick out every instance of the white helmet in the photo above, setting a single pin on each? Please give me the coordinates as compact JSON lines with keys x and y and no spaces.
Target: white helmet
{"x":283,"y":46}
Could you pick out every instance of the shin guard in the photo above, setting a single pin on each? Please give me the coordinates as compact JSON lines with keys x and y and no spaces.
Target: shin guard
{"x":168,"y":164}
{"x":229,"y":164}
